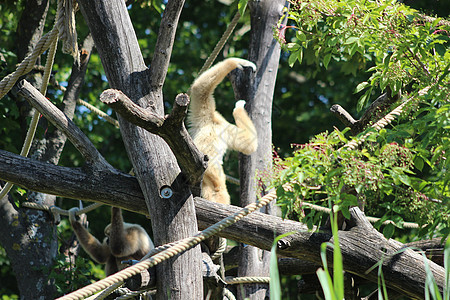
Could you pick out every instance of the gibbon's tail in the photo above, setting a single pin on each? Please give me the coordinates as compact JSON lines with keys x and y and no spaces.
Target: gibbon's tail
{"x":202,"y":104}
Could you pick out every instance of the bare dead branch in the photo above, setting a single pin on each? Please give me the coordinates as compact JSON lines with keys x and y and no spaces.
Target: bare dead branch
{"x":164,"y":45}
{"x":343,"y":115}
{"x":63,"y":123}
{"x":132,"y":112}
{"x":357,"y":126}
{"x":75,"y":183}
{"x":192,"y":162}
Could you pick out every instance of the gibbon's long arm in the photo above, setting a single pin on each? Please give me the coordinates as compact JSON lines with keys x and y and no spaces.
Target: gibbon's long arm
{"x":124,"y":241}
{"x":202,"y":106}
{"x":243,"y":135}
{"x":96,"y":250}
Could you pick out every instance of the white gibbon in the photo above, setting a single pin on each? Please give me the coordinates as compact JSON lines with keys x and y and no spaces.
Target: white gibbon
{"x":123,"y":241}
{"x":212,"y":134}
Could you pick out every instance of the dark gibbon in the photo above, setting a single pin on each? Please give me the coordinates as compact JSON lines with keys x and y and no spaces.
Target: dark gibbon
{"x":123,"y":241}
{"x":214,"y":135}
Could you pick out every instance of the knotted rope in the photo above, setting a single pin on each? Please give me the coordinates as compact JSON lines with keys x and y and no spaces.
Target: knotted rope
{"x":48,"y":41}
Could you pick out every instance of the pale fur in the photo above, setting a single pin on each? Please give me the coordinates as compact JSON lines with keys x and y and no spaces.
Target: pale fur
{"x":214,"y":135}
{"x":124,"y":241}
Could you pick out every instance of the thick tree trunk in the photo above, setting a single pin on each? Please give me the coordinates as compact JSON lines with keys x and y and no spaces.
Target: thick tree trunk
{"x":173,"y":216}
{"x":265,"y":52}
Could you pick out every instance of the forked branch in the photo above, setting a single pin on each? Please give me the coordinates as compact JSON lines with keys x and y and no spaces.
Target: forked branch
{"x":171,"y":128}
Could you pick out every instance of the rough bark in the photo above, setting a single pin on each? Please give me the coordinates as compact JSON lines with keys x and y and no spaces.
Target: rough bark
{"x":171,"y":128}
{"x":29,"y":237}
{"x":265,"y":52}
{"x":31,"y":26}
{"x":29,"y":31}
{"x":155,"y":165}
{"x":361,"y":245}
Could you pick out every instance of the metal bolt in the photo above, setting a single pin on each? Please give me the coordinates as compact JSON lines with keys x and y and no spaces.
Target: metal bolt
{"x":166,"y":192}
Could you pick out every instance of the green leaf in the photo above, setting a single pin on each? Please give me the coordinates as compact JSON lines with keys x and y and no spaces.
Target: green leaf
{"x":345,"y":212}
{"x":418,"y":163}
{"x":384,"y":80}
{"x":388,"y":230}
{"x":395,"y":177}
{"x":405,"y":179}
{"x":292,"y":58}
{"x":333,"y":41}
{"x":387,"y":59}
{"x":351,"y":40}
{"x":275,"y":286}
{"x":292,"y":47}
{"x":361,"y":86}
{"x":440,"y":49}
{"x":363,"y":100}
{"x":300,"y":55}
{"x":447,"y":268}
{"x":325,"y":282}
{"x":301,"y":36}
{"x":326,"y":60}
{"x":242,"y":5}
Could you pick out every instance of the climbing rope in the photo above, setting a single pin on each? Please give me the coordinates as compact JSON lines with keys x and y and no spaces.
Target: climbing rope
{"x":91,"y":107}
{"x":225,"y":36}
{"x":48,"y":41}
{"x":27,"y":64}
{"x":229,"y":295}
{"x":98,"y":112}
{"x":179,"y":247}
{"x":380,"y":124}
{"x":42,"y":45}
{"x":56,"y":211}
{"x":232,"y":180}
{"x":106,"y":291}
{"x":127,"y":294}
{"x":35,"y":119}
{"x":239,"y":280}
{"x":221,"y":249}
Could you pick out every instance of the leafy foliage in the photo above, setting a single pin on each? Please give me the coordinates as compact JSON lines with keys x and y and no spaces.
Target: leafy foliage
{"x":400,"y":173}
{"x":404,"y":46}
{"x":69,"y":276}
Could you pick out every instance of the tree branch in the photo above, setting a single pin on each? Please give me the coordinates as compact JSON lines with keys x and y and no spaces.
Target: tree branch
{"x":163,"y":48}
{"x":130,"y":111}
{"x":357,"y":126}
{"x":57,"y":139}
{"x":191,"y":161}
{"x":361,"y":245}
{"x":75,"y":183}
{"x":63,"y":123}
{"x":343,"y":115}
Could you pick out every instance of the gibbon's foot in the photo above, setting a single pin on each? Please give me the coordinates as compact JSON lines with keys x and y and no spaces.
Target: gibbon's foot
{"x":240,"y":104}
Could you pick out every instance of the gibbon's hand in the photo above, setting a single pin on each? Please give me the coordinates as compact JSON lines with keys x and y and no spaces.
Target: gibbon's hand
{"x":243,"y":63}
{"x":72,"y":215}
{"x":239,"y":104}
